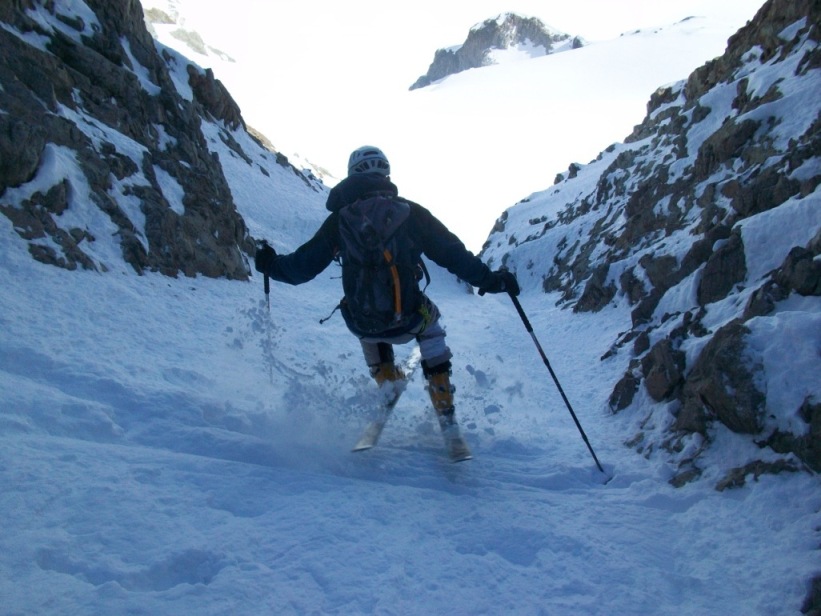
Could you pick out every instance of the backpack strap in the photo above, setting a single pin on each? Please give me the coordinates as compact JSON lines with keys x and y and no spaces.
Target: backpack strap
{"x":426,"y":274}
{"x":397,"y":291}
{"x":333,"y":312}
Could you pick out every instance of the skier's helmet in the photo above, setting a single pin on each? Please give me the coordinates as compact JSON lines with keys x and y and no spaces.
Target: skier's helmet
{"x":368,"y":159}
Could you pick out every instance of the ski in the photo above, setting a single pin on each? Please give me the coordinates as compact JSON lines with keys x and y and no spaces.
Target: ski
{"x":370,"y":436}
{"x":455,"y":445}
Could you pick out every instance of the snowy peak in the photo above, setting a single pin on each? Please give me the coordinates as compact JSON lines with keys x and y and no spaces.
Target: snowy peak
{"x":706,"y":226}
{"x":166,"y":16}
{"x":495,"y":41}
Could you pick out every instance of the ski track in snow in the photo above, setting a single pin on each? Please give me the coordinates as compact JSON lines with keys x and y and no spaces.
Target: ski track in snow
{"x":169,"y":446}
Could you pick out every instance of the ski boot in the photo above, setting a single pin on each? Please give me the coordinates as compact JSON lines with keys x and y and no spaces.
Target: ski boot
{"x":441,"y":395}
{"x":391,"y":380}
{"x":386,"y":371}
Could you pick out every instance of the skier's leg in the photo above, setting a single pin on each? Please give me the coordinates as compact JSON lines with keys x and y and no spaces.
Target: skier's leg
{"x":381,"y":361}
{"x":436,"y":367}
{"x":432,"y":345}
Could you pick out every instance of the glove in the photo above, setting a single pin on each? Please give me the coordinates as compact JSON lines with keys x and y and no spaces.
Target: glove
{"x":500,"y":281}
{"x":264,"y":258}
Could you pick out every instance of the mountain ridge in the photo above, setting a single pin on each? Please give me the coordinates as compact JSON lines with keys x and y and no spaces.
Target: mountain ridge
{"x":506,"y":31}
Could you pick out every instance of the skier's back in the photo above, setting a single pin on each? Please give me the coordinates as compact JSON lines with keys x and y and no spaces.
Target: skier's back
{"x":357,"y":205}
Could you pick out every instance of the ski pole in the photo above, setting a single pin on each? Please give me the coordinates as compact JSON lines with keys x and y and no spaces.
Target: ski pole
{"x":266,"y":278}
{"x":529,"y":329}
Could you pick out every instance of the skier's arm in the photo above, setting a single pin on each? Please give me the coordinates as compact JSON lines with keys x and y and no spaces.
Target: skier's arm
{"x":447,"y":250}
{"x":307,"y":261}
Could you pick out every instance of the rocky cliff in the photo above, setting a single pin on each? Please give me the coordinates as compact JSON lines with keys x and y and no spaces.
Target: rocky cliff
{"x":706,"y":224}
{"x":87,"y":95}
{"x":505,"y":31}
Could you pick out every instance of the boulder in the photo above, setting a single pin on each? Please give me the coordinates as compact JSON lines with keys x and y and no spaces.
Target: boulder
{"x":722,"y":385}
{"x":663,"y":369}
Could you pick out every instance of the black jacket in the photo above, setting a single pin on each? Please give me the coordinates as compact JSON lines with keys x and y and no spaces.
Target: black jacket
{"x":434,"y":240}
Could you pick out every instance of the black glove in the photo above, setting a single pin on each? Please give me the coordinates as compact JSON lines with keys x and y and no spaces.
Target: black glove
{"x":264,"y":258}
{"x":500,"y":281}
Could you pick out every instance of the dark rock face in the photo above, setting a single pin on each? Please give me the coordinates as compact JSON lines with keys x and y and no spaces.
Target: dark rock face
{"x":663,"y":369}
{"x":800,"y":272}
{"x":723,"y":269}
{"x":106,"y":78}
{"x":501,"y":33}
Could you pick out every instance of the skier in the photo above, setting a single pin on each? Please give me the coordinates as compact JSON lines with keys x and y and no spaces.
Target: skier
{"x":369,"y":176}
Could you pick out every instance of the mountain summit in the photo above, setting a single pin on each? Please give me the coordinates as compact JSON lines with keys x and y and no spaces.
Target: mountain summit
{"x":506,"y":32}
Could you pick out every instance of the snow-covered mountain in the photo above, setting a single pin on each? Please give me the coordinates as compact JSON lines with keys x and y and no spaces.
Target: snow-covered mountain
{"x":707,"y":223}
{"x":498,"y":40}
{"x":178,"y":445}
{"x":169,"y":19}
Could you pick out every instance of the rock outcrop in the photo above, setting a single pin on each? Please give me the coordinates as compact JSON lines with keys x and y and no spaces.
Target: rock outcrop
{"x":88,"y":96}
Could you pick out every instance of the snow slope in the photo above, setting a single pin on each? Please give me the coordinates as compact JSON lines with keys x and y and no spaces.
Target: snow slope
{"x":172,"y":446}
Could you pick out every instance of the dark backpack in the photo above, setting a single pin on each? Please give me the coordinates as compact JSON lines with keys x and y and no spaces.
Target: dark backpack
{"x":381,"y":268}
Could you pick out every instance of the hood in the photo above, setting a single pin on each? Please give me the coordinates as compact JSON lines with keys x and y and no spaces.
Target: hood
{"x":354,"y":187}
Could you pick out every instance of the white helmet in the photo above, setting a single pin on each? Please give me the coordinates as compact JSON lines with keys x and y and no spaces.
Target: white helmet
{"x":368,"y":159}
